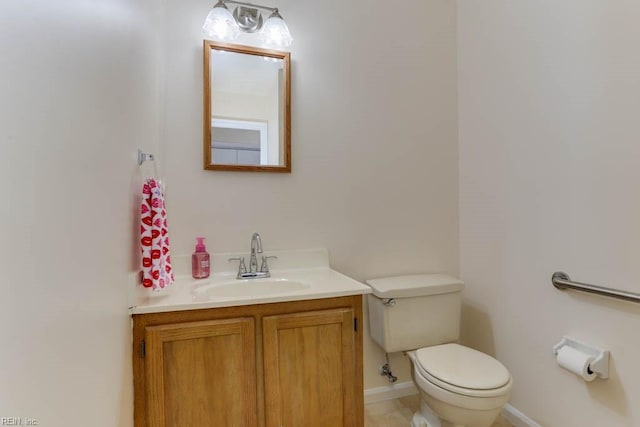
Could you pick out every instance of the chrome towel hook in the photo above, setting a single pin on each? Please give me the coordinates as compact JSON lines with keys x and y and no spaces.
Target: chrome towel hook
{"x":143,"y":157}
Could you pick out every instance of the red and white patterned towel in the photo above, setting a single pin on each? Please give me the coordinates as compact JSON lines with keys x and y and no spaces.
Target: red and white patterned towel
{"x":154,"y":238}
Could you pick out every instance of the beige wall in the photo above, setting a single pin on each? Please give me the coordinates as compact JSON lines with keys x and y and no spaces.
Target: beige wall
{"x":79,"y":95}
{"x":374,"y":144}
{"x":549,"y":94}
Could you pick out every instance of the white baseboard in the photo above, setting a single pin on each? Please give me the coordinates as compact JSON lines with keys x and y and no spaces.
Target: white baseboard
{"x":388,"y":392}
{"x":517,"y":418}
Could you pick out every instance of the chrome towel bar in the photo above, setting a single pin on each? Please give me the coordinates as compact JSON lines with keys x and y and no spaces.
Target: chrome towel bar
{"x":562,"y":281}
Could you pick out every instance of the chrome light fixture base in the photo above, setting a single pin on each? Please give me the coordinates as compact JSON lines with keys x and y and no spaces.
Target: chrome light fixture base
{"x":249,"y":19}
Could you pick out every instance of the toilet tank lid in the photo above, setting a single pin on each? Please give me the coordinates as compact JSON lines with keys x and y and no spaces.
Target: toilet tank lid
{"x":414,"y":285}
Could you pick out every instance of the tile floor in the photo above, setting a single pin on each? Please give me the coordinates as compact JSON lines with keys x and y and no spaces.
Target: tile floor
{"x":398,"y":413}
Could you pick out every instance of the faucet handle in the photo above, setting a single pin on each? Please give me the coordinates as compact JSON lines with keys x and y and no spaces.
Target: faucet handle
{"x":264,"y":267}
{"x":241,"y":267}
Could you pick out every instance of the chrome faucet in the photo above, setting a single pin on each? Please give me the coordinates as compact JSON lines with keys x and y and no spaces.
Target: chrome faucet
{"x":256,"y":245}
{"x":254,"y":272}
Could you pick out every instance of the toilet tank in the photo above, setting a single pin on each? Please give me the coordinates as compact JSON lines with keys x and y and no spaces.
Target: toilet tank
{"x":410,"y":312}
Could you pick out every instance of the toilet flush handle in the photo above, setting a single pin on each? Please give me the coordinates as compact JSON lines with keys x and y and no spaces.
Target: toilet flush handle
{"x":389,"y":302}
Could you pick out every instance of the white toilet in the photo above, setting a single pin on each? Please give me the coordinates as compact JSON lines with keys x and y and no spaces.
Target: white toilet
{"x":420,"y":315}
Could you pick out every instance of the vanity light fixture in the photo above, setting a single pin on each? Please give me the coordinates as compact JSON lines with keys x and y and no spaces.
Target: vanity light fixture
{"x":223,"y":25}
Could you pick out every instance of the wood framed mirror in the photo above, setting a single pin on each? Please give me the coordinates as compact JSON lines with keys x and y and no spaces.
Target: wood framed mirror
{"x":247,"y":108}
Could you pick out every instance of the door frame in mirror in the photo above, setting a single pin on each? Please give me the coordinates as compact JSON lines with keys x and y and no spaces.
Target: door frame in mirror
{"x":250,"y":50}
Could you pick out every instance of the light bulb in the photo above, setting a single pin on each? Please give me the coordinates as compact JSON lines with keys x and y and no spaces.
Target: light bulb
{"x":220,"y":24}
{"x":275,"y":32}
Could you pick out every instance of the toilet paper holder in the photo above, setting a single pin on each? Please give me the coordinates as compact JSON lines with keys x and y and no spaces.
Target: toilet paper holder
{"x":600,"y":364}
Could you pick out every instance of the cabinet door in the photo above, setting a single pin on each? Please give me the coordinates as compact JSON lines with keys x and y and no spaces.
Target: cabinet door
{"x":201,"y":374}
{"x":309,"y":369}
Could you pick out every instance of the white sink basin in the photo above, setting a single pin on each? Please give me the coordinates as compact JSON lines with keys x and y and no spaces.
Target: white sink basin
{"x":295,"y":276}
{"x":249,"y":288}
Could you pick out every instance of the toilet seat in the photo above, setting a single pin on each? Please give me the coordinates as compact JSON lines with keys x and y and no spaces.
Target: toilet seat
{"x":453,"y":362}
{"x":463,"y":370}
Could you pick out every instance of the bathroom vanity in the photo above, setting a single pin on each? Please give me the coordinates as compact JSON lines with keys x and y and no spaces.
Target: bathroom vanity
{"x":209,"y":355}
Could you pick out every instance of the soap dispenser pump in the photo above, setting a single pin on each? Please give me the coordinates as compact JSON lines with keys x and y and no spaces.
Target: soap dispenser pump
{"x":200,"y":261}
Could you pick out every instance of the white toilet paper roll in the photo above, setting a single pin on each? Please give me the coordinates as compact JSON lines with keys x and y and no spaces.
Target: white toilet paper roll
{"x":577,"y":362}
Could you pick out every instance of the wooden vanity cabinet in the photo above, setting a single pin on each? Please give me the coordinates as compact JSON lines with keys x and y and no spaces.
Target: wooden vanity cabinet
{"x":289,"y":364}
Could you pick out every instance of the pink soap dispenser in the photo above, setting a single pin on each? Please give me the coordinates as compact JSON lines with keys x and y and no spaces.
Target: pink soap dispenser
{"x":200,"y":263}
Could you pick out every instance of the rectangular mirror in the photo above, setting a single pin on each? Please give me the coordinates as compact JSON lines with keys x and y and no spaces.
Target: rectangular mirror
{"x":247,"y":112}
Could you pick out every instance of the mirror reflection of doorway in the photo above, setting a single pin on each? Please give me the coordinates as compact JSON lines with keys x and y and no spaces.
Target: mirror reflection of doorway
{"x":239,"y":142}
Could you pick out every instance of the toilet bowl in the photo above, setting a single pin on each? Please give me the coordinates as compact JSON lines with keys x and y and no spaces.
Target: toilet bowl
{"x":459,"y":386}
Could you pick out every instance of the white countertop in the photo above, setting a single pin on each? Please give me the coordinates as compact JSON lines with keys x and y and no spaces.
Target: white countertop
{"x":310,"y":268}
